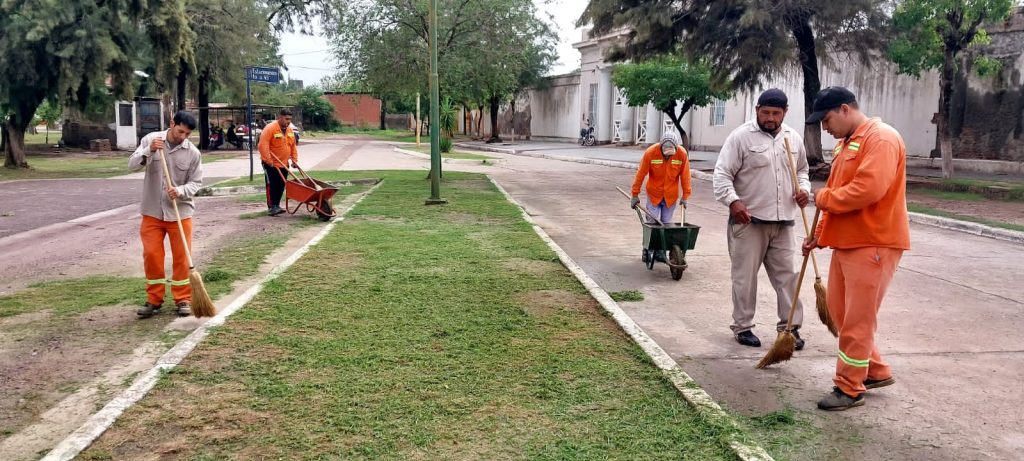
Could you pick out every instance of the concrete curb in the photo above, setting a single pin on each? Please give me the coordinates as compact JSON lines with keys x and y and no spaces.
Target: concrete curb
{"x":690,"y":390}
{"x":462,"y":161}
{"x":98,"y":423}
{"x":214,"y":191}
{"x":918,"y":218}
{"x":968,"y":227}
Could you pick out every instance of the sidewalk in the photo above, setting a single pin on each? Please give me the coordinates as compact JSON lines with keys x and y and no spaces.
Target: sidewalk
{"x":702,"y":161}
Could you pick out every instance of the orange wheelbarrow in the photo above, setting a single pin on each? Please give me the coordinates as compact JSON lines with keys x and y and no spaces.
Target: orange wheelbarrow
{"x":316,"y":195}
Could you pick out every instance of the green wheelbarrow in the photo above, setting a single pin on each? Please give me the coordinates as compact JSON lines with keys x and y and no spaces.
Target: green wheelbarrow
{"x":672,"y":238}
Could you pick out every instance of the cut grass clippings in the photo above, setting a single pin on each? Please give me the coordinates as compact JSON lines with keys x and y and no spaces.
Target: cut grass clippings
{"x":627,"y":296}
{"x":407,"y":334}
{"x":913,"y":207}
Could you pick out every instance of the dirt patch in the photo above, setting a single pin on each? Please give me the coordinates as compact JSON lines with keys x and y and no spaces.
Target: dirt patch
{"x":532,"y":266}
{"x":53,"y":356}
{"x":48,"y":360}
{"x":173,"y":423}
{"x":544,"y":303}
{"x":375,"y":220}
{"x":1008,"y":212}
{"x":474,"y":184}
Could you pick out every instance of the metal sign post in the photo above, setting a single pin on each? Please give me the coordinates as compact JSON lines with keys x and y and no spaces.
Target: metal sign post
{"x":256,"y":74}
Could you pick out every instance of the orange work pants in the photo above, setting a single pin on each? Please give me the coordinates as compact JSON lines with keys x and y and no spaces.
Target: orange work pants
{"x":153,"y":232}
{"x":857,"y":281}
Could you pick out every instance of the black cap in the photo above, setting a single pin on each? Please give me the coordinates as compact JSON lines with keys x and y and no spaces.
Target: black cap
{"x":828,"y":99}
{"x":773,"y":98}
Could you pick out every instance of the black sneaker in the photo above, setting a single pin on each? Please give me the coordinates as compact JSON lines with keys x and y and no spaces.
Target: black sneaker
{"x":876,"y":383}
{"x":799,"y":342}
{"x":747,"y":338}
{"x":148,"y":310}
{"x":837,"y":400}
{"x":275,"y":211}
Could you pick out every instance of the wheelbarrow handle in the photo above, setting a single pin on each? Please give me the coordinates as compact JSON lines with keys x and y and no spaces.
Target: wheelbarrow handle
{"x":311,"y":180}
{"x":649,"y":215}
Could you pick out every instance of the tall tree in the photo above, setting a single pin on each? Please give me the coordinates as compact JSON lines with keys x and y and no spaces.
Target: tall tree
{"x":931,"y":34}
{"x":672,"y":84}
{"x":747,"y":42}
{"x":63,"y":51}
{"x":383,"y":44}
{"x":234,"y":34}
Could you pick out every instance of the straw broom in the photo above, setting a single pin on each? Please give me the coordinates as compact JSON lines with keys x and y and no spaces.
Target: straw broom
{"x":785,"y":343}
{"x":820,"y":295}
{"x":202,"y":305}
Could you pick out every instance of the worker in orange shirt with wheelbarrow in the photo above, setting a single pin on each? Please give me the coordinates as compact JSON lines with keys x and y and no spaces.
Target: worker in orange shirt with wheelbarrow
{"x":666,"y":166}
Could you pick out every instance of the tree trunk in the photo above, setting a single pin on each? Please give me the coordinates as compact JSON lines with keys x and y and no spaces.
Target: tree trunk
{"x":467,"y":118}
{"x":180,"y":86}
{"x":677,"y":121}
{"x":383,"y":114}
{"x":495,"y":136}
{"x":480,"y":122}
{"x":804,"y":36}
{"x":14,"y":129}
{"x":203,"y":99}
{"x":945,"y":99}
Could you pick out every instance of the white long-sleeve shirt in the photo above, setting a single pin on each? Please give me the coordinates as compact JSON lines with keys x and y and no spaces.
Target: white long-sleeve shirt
{"x":753,"y":167}
{"x":186,"y":166}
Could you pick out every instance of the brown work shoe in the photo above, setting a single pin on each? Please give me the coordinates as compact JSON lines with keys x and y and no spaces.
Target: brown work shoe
{"x":148,"y":310}
{"x":184,"y":309}
{"x":837,"y":400}
{"x":876,"y":383}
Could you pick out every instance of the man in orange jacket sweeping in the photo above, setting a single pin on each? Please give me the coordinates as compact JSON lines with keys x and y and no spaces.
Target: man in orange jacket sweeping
{"x":158,"y":217}
{"x":864,"y":220}
{"x":666,"y":166}
{"x":277,"y":149}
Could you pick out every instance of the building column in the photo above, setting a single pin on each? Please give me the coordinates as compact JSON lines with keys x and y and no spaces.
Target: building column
{"x":654,"y":125}
{"x":626,"y":128}
{"x":603,"y":126}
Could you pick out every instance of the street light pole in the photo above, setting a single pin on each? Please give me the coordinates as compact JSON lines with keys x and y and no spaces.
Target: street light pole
{"x":435,"y":116}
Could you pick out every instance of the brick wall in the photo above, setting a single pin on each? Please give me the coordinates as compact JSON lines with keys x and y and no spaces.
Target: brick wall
{"x":354,"y":109}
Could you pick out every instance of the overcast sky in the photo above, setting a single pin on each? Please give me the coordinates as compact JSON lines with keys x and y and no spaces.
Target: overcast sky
{"x":309,"y":58}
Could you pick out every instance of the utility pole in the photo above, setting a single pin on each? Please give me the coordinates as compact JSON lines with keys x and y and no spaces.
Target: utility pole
{"x":435,"y":128}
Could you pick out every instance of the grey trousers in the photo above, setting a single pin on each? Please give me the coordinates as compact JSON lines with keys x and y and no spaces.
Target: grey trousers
{"x":750,"y":246}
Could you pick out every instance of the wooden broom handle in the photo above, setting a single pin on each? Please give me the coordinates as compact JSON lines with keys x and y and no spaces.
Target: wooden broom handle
{"x":803,"y":212}
{"x":184,"y":241}
{"x":799,"y":281}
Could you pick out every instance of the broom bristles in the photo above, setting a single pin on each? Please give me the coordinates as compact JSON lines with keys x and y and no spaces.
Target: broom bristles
{"x":202,"y":305}
{"x":781,"y":351}
{"x":822,"y":304}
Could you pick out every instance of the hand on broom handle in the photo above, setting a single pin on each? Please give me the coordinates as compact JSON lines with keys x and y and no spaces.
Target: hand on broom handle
{"x":649,"y":215}
{"x":803,"y":212}
{"x":799,"y":281}
{"x":170,"y":182}
{"x":820,"y":293}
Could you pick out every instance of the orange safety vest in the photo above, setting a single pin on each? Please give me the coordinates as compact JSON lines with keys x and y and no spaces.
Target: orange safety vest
{"x":664,"y":175}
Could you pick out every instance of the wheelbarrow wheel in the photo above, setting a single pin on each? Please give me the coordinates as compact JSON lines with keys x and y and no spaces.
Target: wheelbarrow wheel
{"x":326,"y":207}
{"x":676,"y":258}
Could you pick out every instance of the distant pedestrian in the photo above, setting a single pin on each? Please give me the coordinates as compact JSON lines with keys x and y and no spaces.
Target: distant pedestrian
{"x":864,"y":220}
{"x":753,"y":178}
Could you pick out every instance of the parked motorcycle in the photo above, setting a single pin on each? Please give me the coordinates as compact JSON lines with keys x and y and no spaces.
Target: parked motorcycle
{"x":587,"y":137}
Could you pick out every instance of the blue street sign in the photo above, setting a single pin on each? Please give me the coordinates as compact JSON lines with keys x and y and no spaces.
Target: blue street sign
{"x":263,"y":74}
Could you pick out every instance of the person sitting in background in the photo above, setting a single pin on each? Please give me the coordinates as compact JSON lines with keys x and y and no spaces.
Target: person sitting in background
{"x":233,"y":137}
